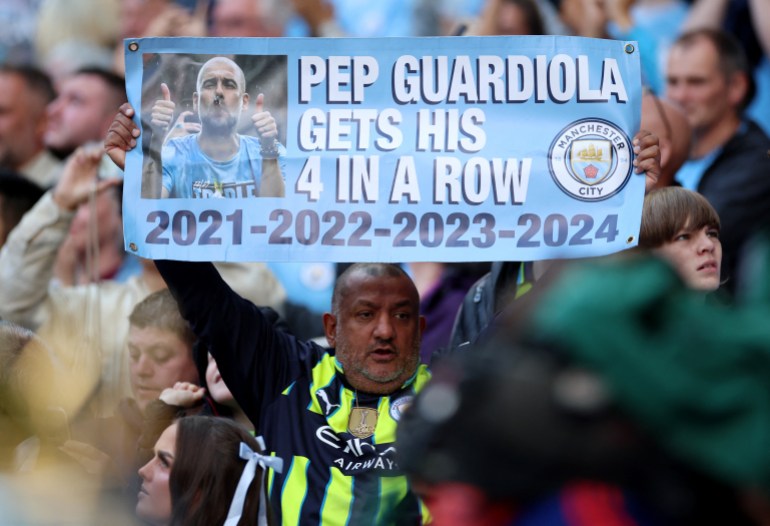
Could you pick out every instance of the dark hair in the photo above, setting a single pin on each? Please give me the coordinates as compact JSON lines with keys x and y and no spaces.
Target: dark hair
{"x":36,"y":79}
{"x":206,"y":471}
{"x":730,"y":54}
{"x":160,"y":310}
{"x":670,"y":210}
{"x":532,"y":15}
{"x":113,"y":81}
{"x":17,"y":195}
{"x":341,"y":287}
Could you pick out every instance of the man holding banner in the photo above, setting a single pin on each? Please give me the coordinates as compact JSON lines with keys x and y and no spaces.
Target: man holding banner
{"x":217,"y":161}
{"x":392,"y":157}
{"x":333,"y":412}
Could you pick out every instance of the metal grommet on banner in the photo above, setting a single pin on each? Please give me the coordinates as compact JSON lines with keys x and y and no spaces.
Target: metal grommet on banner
{"x":133,"y":46}
{"x":630,"y":48}
{"x":628,"y":241}
{"x":133,"y":247}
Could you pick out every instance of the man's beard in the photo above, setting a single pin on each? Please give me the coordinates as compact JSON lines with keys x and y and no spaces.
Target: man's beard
{"x":221,"y":125}
{"x":343,"y":349}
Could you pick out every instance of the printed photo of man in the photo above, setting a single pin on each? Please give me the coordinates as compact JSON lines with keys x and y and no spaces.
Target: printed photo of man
{"x":203,"y":151}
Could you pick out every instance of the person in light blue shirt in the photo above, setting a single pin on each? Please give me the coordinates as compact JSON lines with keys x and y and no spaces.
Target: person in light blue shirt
{"x":189,"y":172}
{"x":215,"y":160}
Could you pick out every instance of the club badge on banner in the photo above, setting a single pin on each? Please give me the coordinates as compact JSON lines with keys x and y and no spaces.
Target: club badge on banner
{"x":400,"y":149}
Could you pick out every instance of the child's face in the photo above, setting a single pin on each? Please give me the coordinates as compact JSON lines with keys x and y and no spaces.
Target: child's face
{"x":697,"y":257}
{"x":216,"y":386}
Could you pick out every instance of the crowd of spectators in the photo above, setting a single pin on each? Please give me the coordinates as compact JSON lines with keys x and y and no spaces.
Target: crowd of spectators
{"x":630,"y":389}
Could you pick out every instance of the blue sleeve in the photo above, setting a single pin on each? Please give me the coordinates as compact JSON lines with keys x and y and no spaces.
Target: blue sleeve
{"x":168,"y":156}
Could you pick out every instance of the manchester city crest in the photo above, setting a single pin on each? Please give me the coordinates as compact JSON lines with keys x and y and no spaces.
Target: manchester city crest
{"x":397,"y":407}
{"x":591,"y":159}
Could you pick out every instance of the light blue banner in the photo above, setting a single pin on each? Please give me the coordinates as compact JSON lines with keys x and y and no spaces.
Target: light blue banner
{"x":401,"y":149}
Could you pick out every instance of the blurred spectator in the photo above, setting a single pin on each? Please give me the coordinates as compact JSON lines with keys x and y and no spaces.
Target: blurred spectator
{"x":308,"y":284}
{"x":93,"y":249}
{"x":510,"y":17}
{"x":80,"y":115}
{"x":39,"y":484}
{"x":653,"y":24}
{"x":137,"y":15}
{"x":209,"y":397}
{"x":87,"y":325}
{"x":248,"y":18}
{"x":537,"y":17}
{"x":18,"y":18}
{"x":748,"y":21}
{"x":71,"y":56}
{"x":585,"y":18}
{"x":386,"y":18}
{"x":505,"y":282}
{"x":318,"y":16}
{"x":29,"y":373}
{"x":336,"y":18}
{"x":25,"y":92}
{"x":442,"y":287}
{"x":72,"y":34}
{"x":17,"y":195}
{"x":158,"y":18}
{"x":159,"y":347}
{"x":708,"y":77}
{"x":82,"y":112}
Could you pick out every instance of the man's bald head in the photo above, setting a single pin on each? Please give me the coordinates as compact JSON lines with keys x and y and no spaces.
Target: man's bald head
{"x":218,"y":62}
{"x":342,"y":288}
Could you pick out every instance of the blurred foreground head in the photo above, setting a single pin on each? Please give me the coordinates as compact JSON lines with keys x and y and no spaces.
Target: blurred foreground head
{"x":28,"y":376}
{"x":618,"y":374}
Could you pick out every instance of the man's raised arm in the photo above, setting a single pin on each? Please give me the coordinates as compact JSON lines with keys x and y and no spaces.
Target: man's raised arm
{"x":122,"y":136}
